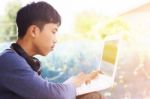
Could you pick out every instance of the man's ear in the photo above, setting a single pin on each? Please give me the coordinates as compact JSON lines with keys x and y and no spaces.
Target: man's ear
{"x":34,"y":31}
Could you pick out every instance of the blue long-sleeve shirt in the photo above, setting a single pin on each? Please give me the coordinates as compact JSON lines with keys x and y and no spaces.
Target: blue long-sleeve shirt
{"x":19,"y":81}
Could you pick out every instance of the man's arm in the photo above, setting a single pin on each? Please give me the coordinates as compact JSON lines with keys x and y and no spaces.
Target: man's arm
{"x":17,"y":76}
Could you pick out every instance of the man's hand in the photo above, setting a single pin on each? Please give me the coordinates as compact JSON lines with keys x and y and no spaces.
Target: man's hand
{"x":91,"y":76}
{"x":83,"y":78}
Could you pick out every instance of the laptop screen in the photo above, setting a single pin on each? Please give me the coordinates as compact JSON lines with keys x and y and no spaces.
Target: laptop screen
{"x":109,"y":57}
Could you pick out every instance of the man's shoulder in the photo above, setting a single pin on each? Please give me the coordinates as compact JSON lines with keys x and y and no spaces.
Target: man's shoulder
{"x":6,"y":51}
{"x":8,"y":54}
{"x":9,"y":58}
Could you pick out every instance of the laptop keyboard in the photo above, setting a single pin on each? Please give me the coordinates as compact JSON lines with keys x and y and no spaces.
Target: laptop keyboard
{"x":100,"y":83}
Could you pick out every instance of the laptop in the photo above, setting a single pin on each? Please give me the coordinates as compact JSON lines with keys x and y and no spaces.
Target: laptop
{"x":108,"y":65}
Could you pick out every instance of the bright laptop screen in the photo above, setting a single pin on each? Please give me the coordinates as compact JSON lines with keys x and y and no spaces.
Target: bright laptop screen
{"x":109,"y":56}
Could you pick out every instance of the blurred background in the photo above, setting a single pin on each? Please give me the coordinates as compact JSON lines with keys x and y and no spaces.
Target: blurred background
{"x":85,"y":24}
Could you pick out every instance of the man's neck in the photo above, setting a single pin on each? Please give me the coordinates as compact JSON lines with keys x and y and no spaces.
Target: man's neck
{"x":26,"y":46}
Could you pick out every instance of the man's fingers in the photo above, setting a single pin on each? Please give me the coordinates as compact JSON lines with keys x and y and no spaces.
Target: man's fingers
{"x":86,"y":78}
{"x":94,"y":74}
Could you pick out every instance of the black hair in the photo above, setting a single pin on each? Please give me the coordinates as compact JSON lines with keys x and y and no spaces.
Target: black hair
{"x":38,"y":14}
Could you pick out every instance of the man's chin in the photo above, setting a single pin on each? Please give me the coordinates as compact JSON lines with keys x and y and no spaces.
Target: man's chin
{"x":44,"y":54}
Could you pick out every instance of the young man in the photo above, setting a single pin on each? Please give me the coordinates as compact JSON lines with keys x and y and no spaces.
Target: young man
{"x":19,"y":70}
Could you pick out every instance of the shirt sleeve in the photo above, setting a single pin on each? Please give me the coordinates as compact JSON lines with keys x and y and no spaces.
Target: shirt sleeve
{"x":18,"y":77}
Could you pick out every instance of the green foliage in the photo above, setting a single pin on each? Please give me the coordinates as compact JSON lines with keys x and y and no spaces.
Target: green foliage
{"x":85,"y":21}
{"x":114,"y":26}
{"x":9,"y":29}
{"x":92,"y":26}
{"x":11,"y":10}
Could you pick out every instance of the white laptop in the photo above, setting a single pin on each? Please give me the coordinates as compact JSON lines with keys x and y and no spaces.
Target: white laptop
{"x":108,"y":65}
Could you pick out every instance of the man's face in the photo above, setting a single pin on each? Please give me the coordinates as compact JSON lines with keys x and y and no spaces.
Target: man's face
{"x":46,"y":39}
